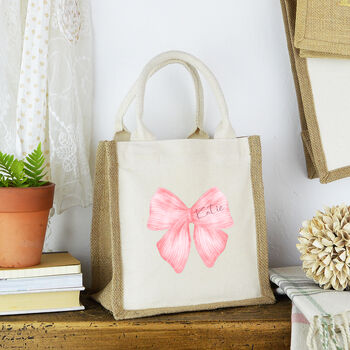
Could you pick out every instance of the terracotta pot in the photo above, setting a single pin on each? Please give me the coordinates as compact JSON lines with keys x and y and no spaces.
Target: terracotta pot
{"x":24,"y":213}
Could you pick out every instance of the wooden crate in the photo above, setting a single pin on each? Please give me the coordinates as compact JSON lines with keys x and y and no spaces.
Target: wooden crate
{"x":253,"y":327}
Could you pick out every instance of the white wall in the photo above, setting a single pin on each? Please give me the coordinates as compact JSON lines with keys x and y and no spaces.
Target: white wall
{"x":245,"y":46}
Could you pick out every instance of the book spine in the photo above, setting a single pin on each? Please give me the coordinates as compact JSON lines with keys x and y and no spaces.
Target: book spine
{"x":38,"y":283}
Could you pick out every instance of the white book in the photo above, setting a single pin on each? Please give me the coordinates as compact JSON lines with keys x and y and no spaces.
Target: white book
{"x":16,"y":285}
{"x":32,"y":291}
{"x":40,"y":311}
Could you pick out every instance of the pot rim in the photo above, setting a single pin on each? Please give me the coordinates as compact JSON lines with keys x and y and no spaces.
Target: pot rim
{"x":26,"y":199}
{"x":48,"y":185}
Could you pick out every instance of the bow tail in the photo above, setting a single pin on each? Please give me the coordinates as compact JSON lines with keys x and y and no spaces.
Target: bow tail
{"x":210,"y":243}
{"x":174,"y":247}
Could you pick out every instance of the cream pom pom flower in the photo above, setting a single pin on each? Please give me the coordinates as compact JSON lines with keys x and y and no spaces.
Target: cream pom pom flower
{"x":325,"y":247}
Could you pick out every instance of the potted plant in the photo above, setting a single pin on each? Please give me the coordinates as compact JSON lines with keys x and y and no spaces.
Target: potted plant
{"x":25,"y":203}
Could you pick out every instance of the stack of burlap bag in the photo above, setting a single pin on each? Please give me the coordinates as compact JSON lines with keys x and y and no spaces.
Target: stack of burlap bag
{"x":318,"y":36}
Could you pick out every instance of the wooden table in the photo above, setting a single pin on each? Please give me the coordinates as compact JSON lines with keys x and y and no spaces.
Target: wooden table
{"x":254,"y":327}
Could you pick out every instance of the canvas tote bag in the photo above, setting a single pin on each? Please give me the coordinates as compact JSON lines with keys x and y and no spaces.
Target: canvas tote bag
{"x":178,"y":225}
{"x":322,"y":86}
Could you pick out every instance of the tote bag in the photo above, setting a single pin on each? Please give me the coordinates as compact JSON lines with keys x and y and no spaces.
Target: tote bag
{"x":178,"y":225}
{"x":322,"y":28}
{"x":322,"y":86}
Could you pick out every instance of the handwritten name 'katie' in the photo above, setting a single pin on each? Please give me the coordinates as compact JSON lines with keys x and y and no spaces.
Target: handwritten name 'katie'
{"x":211,"y":209}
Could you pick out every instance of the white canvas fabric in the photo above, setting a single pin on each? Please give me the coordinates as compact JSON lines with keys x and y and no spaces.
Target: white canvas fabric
{"x":330,"y":83}
{"x":211,"y":186}
{"x":187,"y":168}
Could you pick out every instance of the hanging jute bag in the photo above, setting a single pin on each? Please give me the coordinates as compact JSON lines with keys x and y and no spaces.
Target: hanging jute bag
{"x":178,"y":225}
{"x":322,"y":28}
{"x":322,"y":86}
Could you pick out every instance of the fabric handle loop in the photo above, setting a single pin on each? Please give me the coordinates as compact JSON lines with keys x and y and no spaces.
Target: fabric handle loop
{"x":129,"y":98}
{"x":224,"y":129}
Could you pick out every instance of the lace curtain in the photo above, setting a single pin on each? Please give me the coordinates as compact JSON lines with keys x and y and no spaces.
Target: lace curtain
{"x":46,"y":89}
{"x":11,"y":39}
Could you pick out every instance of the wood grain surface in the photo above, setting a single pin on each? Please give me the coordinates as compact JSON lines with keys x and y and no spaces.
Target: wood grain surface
{"x":253,"y":327}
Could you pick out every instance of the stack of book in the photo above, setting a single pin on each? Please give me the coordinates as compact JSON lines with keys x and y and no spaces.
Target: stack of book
{"x":53,"y":285}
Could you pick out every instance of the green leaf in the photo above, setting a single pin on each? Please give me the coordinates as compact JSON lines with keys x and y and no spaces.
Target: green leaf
{"x":6,"y":162}
{"x":34,"y":167}
{"x":18,"y":175}
{"x":3,"y":181}
{"x":23,"y":173}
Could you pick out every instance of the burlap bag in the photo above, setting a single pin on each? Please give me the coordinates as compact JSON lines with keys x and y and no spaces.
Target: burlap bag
{"x":322,"y":28}
{"x":108,"y":241}
{"x":313,"y":148}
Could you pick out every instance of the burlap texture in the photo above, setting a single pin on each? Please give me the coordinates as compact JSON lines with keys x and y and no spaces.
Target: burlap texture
{"x":297,"y":63}
{"x":322,"y":28}
{"x":313,"y":149}
{"x":105,"y":238}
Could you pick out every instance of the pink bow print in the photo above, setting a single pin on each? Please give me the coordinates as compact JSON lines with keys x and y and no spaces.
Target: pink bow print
{"x":209,"y":214}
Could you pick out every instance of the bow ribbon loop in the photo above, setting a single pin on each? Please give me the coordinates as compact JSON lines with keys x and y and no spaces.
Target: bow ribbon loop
{"x":209,"y":215}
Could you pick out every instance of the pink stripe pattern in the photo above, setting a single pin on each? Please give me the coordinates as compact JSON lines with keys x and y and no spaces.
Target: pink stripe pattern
{"x":209,"y":215}
{"x":299,"y":318}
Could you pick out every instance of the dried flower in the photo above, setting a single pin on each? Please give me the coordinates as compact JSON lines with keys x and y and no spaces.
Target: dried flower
{"x":325,"y":247}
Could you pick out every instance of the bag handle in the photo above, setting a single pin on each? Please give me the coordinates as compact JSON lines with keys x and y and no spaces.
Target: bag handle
{"x":120,"y":127}
{"x":223,"y":131}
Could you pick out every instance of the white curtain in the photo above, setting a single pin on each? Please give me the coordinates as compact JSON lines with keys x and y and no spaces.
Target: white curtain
{"x":11,"y":40}
{"x":46,"y":89}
